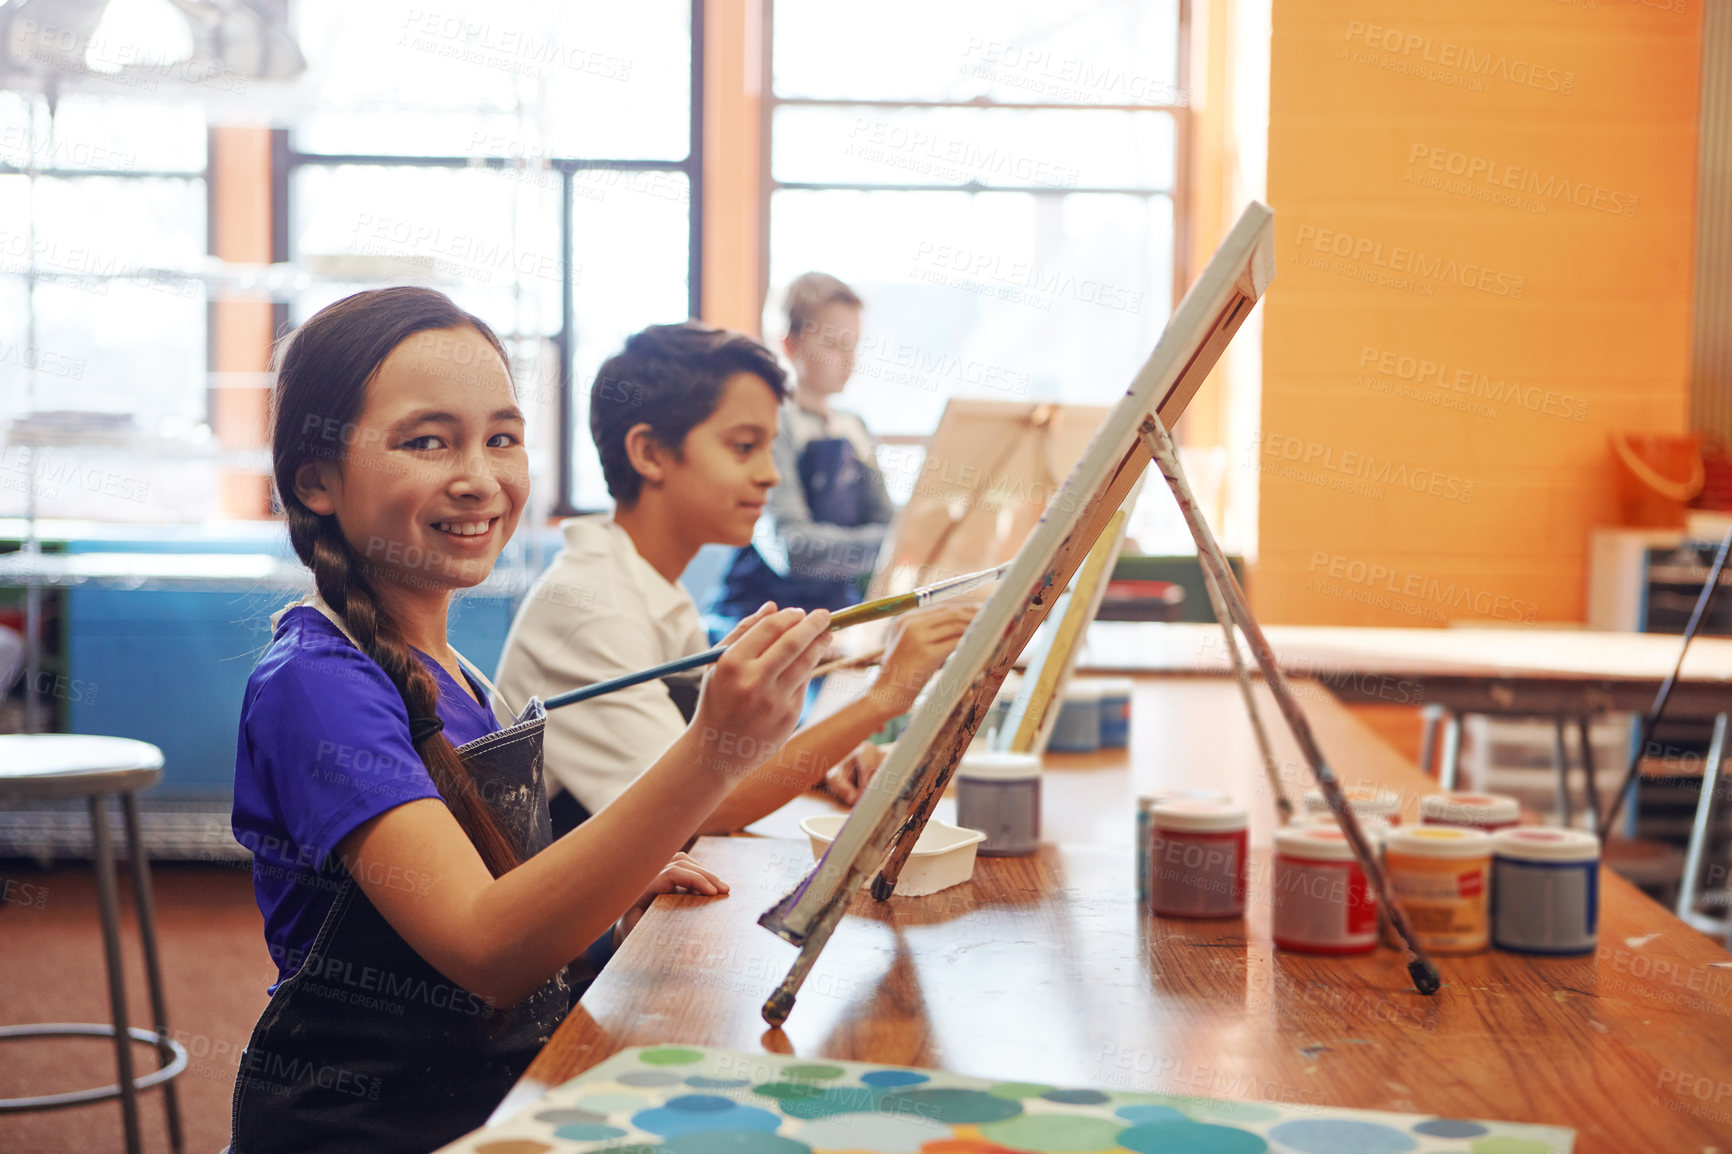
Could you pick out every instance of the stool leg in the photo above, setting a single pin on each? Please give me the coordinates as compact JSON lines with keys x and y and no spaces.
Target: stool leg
{"x":1701,"y":831}
{"x":1431,"y":714}
{"x":106,"y":896}
{"x":1561,"y":763}
{"x":152,"y":969}
{"x":1592,"y":786}
{"x":1450,"y":772}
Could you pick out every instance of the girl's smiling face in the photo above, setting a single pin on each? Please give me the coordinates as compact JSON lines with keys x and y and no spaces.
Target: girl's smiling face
{"x":430,"y":481}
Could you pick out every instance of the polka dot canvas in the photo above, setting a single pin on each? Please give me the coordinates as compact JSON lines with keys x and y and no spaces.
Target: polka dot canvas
{"x":694,"y":1100}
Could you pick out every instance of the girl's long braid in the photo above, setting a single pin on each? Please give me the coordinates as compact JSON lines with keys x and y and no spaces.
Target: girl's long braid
{"x":342,"y":582}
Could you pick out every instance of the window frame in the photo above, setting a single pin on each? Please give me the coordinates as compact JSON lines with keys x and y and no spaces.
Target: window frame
{"x":286,"y":160}
{"x":1183,"y":130}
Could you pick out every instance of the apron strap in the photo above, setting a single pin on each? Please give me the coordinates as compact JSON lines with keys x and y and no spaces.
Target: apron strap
{"x":495,"y":703}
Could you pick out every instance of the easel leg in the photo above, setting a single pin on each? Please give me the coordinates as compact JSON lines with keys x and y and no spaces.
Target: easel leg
{"x":1154,"y":434}
{"x":1271,"y":768}
{"x":1701,"y":834}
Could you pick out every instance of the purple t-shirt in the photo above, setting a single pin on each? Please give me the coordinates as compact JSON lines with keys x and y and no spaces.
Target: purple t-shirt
{"x":324,"y":747}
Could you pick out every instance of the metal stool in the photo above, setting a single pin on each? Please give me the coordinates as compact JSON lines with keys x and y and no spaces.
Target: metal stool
{"x":60,"y":765}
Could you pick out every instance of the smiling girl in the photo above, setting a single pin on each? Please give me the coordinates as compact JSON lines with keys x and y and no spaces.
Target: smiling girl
{"x":420,"y":920}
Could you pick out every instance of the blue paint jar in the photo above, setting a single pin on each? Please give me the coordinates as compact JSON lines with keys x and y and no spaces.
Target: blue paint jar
{"x":1078,"y":728}
{"x":1115,"y":711}
{"x":1545,"y":890}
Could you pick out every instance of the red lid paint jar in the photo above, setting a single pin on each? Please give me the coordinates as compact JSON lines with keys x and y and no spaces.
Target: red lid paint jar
{"x":1147,"y":802}
{"x":1487,"y":811}
{"x":1320,"y":901}
{"x":1197,"y":860}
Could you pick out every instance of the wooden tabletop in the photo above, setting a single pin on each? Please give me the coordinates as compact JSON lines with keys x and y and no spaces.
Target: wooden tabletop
{"x":1520,"y":670}
{"x":1045,"y":969}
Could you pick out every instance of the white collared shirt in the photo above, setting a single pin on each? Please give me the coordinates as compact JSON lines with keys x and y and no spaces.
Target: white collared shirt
{"x":600,"y":611}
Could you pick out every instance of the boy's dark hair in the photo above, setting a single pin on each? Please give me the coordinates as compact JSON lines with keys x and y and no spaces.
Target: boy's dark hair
{"x":670,"y":378}
{"x":810,"y":292}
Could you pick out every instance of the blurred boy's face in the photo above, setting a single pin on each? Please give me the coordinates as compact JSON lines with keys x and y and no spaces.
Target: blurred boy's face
{"x":823,"y":356}
{"x":717,"y":484}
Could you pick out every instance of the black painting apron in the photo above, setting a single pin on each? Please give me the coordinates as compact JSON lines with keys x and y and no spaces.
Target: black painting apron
{"x":367,"y":1048}
{"x":834,"y":481}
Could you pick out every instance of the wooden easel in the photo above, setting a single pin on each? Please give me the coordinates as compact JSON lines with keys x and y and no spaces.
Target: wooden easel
{"x":887,"y":821}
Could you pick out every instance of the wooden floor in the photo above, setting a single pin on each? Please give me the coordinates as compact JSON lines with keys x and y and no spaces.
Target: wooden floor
{"x":215,"y":969}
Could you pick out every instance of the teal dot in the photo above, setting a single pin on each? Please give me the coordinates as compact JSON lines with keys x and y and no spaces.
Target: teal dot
{"x":587,"y":1132}
{"x":1150,"y":1114}
{"x":1054,"y":1133}
{"x":888,"y":1079}
{"x":730,"y":1142}
{"x":698,"y":1104}
{"x":1191,"y":1138}
{"x":1216,"y":1110}
{"x":804,"y":1100}
{"x":1338,"y":1135}
{"x":1076,"y":1097}
{"x":670,"y":1122}
{"x":568,"y":1117}
{"x":670,"y":1056}
{"x":953,"y":1106}
{"x":814,"y":1072}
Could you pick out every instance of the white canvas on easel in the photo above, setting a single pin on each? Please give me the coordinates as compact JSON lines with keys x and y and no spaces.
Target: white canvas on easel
{"x":905,"y":787}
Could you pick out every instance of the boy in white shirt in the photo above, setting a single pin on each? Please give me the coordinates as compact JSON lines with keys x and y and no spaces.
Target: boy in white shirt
{"x":684,"y":419}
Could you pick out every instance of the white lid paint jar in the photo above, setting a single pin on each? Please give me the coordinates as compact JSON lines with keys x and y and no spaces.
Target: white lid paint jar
{"x":1320,"y":901}
{"x":1197,"y":860}
{"x":1438,"y":877}
{"x":999,"y":794}
{"x":1365,"y":802}
{"x":1487,"y":811}
{"x":1545,"y":890}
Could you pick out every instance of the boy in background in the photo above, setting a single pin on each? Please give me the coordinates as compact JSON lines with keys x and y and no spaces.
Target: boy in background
{"x":684,"y":419}
{"x":826,"y":520}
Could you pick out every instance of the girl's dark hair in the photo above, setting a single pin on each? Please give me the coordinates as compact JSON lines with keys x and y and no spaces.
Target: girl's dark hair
{"x":670,"y":378}
{"x":323,"y":370}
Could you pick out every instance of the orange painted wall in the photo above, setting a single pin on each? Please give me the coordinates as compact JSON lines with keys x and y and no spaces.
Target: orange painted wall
{"x":1399,"y":132}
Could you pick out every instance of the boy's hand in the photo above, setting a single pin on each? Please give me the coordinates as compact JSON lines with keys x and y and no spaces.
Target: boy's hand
{"x":752,"y":697}
{"x":923,"y":639}
{"x":848,"y":778}
{"x":680,"y":875}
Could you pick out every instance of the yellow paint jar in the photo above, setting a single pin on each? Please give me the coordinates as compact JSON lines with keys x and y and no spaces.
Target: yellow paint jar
{"x":1439,"y":876}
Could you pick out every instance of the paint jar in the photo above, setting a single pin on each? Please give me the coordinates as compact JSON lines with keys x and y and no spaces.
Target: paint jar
{"x":1147,"y":802}
{"x":1487,"y":811}
{"x":1376,"y":830}
{"x":1366,"y":802}
{"x":1545,"y":890}
{"x":1115,"y":711}
{"x":1078,"y":728}
{"x":1321,"y":903}
{"x":1438,"y":877}
{"x":999,"y":795}
{"x":1197,"y":860}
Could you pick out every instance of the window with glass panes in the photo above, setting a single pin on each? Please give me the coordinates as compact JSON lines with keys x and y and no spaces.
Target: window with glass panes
{"x":102,"y":304}
{"x":999,"y":181}
{"x":537,"y":161}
